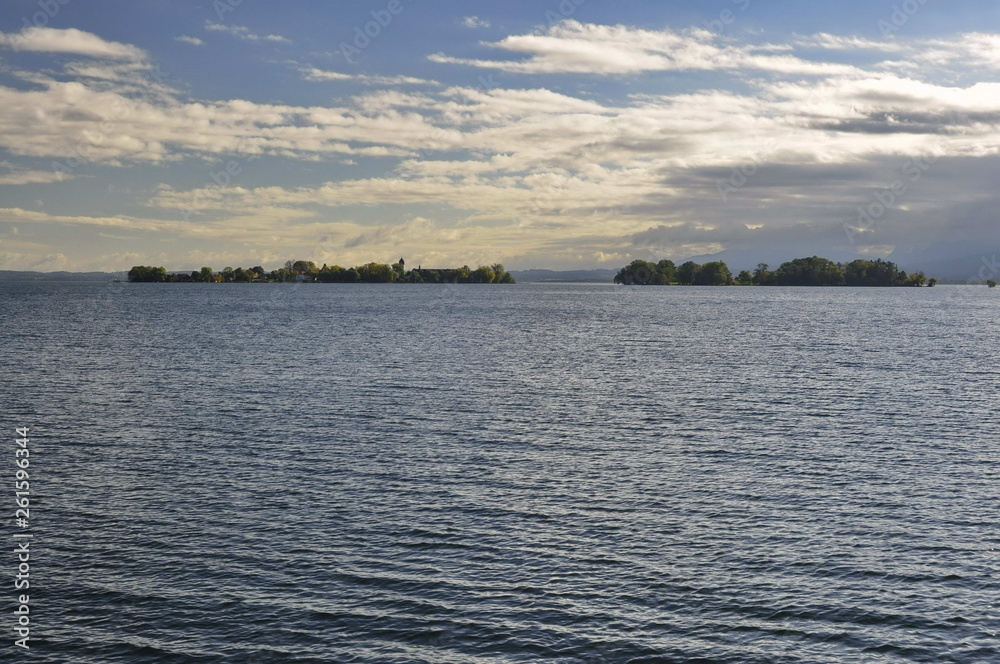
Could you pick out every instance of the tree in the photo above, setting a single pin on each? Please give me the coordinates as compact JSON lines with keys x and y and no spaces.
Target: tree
{"x":744,"y":278}
{"x":991,"y":283}
{"x":931,"y":282}
{"x":483,"y":275}
{"x":502,"y":275}
{"x":762,"y":274}
{"x":376,"y":273}
{"x":813,"y":271}
{"x":667,"y":272}
{"x":715,"y":273}
{"x":863,"y":272}
{"x":207,"y":275}
{"x":686,"y":272}
{"x":638,"y":272}
{"x":147,"y":273}
{"x":304,"y":267}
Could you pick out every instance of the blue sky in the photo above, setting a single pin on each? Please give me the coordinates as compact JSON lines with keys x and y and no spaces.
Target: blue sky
{"x":569,"y":134}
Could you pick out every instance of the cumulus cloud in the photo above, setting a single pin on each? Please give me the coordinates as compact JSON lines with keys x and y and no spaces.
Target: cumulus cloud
{"x":563,"y":174}
{"x":70,"y":41}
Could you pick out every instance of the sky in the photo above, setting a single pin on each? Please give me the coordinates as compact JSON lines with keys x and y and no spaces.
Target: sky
{"x":568,"y":134}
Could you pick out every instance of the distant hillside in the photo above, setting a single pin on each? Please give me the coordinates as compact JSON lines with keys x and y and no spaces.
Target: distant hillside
{"x":564,"y":276}
{"x":22,"y":275}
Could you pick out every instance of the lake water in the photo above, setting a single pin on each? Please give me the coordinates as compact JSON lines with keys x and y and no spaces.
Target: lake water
{"x":480,"y":474}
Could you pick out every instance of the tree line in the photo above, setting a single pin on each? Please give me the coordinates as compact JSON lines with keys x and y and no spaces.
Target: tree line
{"x":813,"y":271}
{"x":308,"y":271}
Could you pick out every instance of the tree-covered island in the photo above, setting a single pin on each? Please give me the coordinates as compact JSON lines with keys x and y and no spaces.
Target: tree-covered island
{"x":813,"y":271}
{"x":307,"y":271}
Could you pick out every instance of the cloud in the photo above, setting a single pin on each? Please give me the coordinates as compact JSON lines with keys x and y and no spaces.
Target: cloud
{"x":579,"y":48}
{"x":313,"y":74}
{"x":562,"y":174}
{"x":69,"y":40}
{"x":849,"y":43}
{"x":17,"y":175}
{"x":242,"y":32}
{"x":189,"y":40}
{"x":475,"y":22}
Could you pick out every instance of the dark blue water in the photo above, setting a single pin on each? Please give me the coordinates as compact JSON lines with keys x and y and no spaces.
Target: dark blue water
{"x":479,"y":474}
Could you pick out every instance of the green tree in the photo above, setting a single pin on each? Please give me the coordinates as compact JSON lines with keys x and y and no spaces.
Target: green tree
{"x":147,"y":273}
{"x":666,"y":272}
{"x":715,"y":273}
{"x":502,"y":275}
{"x":303,"y":267}
{"x":813,"y":271}
{"x":686,"y":272}
{"x":864,"y":272}
{"x":637,"y":273}
{"x":483,"y":275}
{"x":991,"y":283}
{"x":744,"y":278}
{"x":762,"y":274}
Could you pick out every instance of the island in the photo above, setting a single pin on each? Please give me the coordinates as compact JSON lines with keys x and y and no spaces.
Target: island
{"x":812,"y":271}
{"x":302,"y":271}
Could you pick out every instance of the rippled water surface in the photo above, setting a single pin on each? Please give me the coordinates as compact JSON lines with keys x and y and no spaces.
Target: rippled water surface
{"x":478,"y":474}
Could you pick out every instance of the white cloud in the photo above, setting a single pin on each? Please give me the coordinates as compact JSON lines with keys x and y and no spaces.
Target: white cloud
{"x":16,"y":175}
{"x":579,"y":48}
{"x":475,"y":22}
{"x":242,"y":32}
{"x":189,"y":40}
{"x":314,"y":74}
{"x":509,"y":170}
{"x":849,"y":43}
{"x":69,"y":40}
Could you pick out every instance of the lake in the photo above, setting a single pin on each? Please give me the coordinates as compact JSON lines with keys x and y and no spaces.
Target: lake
{"x":258,"y":473}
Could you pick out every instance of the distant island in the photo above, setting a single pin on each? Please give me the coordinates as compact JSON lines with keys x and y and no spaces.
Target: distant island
{"x":307,"y":271}
{"x":813,"y":271}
